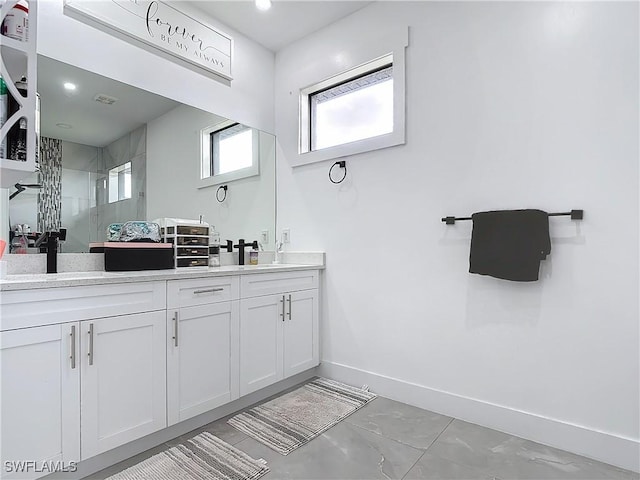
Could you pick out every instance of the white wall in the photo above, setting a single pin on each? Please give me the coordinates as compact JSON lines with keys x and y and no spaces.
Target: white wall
{"x":248,"y":100}
{"x":173,"y":174}
{"x":509,"y":105}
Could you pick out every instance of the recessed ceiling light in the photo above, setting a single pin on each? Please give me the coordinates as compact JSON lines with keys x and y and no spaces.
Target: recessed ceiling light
{"x":69,"y":86}
{"x":263,"y":4}
{"x":66,"y":126}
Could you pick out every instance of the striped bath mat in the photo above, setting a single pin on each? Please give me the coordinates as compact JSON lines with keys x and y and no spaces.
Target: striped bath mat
{"x":204,"y":457}
{"x":291,"y":420}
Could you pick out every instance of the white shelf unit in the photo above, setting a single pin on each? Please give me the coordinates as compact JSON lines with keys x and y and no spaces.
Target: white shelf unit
{"x":190,"y":240}
{"x":17,"y":59}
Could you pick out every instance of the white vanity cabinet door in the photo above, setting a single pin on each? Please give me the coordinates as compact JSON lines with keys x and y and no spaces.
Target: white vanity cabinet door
{"x":202,"y":359}
{"x":301,"y":343}
{"x":40,"y":384}
{"x":123,"y":384}
{"x":278,"y":337}
{"x":261,"y":324}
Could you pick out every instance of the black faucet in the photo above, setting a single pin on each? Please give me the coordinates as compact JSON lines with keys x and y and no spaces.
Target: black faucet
{"x":51,"y":247}
{"x":241,"y":246}
{"x":228,"y":244}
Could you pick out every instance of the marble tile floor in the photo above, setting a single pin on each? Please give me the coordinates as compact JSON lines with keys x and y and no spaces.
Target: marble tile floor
{"x":391,"y":440}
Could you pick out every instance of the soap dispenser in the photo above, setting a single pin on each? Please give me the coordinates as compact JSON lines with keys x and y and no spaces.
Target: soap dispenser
{"x":214,"y":247}
{"x":253,"y":255}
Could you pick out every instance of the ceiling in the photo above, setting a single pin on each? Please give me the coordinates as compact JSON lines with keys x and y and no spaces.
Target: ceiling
{"x":92,"y":123}
{"x":285,"y":22}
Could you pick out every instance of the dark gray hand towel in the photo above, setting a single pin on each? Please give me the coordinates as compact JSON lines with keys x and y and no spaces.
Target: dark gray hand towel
{"x":509,"y":244}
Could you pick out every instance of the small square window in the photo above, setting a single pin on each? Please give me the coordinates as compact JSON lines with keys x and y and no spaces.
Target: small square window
{"x":358,"y":110}
{"x":229,"y":151}
{"x":120,"y":183}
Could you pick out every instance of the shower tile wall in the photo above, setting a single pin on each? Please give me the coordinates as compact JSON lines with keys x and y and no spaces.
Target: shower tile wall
{"x":50,"y":195}
{"x":132,"y":147}
{"x":80,"y":163}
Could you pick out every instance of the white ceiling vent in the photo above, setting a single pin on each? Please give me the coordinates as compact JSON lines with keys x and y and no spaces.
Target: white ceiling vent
{"x":106,"y":99}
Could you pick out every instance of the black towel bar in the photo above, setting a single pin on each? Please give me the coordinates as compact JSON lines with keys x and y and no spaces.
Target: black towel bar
{"x":574,"y":214}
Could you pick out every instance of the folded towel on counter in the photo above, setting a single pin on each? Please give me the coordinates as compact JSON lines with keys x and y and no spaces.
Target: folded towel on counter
{"x":509,"y":244}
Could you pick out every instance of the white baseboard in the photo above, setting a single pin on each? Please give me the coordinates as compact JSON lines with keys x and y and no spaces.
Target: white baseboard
{"x":605,"y":447}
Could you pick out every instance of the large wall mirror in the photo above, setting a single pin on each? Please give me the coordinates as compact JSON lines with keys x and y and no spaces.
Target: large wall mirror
{"x":110,"y":153}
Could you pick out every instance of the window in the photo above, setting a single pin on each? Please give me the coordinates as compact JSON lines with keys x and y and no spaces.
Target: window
{"x":229,"y":152}
{"x":359,"y":110}
{"x":352,"y":110}
{"x":231,"y":149}
{"x":120,"y":183}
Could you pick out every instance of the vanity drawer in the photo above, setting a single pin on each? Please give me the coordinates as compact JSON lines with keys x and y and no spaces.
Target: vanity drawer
{"x":280,"y":282}
{"x":200,"y":291}
{"x":193,"y":241}
{"x":192,"y":262}
{"x":192,"y":252}
{"x":192,"y":230}
{"x":48,"y":306}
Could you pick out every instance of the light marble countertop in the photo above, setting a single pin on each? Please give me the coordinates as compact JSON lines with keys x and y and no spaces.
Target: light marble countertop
{"x":70,"y":279}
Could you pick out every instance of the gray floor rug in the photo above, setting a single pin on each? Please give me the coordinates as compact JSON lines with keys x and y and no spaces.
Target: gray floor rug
{"x":291,"y":420}
{"x":203,"y":457}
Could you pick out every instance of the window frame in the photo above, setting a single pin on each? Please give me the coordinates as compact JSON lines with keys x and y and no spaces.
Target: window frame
{"x":395,"y":58}
{"x":207,"y":178}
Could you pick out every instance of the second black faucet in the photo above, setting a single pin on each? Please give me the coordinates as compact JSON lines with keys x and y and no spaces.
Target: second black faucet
{"x":241,"y":246}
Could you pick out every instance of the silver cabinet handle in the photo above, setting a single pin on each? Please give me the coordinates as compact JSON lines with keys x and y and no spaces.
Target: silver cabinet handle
{"x":282,"y":314}
{"x":90,"y":344}
{"x":289,"y":306}
{"x":208,"y":290}
{"x":73,"y":346}
{"x":175,"y":329}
